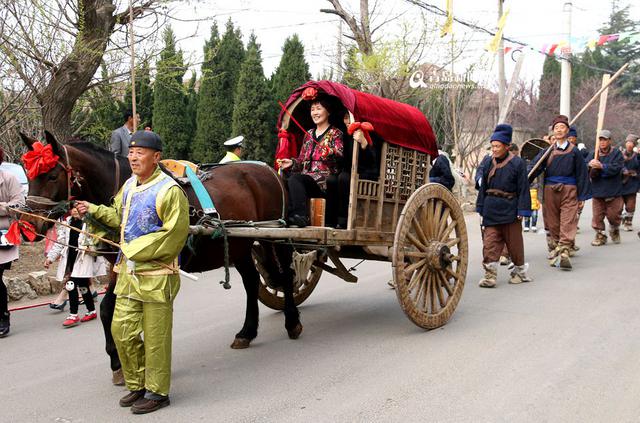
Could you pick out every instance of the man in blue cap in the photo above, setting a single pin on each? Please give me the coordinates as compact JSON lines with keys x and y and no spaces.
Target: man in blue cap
{"x":151,"y":212}
{"x":503,"y":200}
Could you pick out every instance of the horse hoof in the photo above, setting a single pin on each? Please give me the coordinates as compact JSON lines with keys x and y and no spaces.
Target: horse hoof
{"x":295,"y":332}
{"x":240,"y":343}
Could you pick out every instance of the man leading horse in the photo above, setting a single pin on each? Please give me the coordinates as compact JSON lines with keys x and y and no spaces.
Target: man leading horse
{"x":153,"y":214}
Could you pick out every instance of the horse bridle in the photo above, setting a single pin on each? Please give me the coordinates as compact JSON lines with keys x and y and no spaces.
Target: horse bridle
{"x":73,"y":179}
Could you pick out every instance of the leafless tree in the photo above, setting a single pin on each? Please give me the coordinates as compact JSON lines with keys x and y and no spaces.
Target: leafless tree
{"x":51,"y":50}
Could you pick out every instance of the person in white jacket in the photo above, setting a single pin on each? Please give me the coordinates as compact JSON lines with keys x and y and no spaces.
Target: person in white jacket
{"x":78,"y":264}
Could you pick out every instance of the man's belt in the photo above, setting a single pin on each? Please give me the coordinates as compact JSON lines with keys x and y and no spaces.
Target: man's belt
{"x":500,"y":193}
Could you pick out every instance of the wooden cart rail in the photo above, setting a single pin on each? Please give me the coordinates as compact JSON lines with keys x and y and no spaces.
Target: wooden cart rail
{"x":321,"y":235}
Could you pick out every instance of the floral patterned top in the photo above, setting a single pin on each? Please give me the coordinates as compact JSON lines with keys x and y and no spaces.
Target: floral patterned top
{"x":319,"y":156}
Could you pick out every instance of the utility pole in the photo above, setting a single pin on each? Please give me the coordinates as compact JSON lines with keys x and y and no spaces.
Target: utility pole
{"x":501,"y":77}
{"x":565,"y":69}
{"x":339,"y":53}
{"x":133,"y":69}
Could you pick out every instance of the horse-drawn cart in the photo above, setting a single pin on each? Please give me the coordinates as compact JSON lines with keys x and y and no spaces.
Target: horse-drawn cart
{"x":400,"y":217}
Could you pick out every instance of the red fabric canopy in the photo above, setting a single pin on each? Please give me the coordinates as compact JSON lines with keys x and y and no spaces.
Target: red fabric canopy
{"x":396,"y":123}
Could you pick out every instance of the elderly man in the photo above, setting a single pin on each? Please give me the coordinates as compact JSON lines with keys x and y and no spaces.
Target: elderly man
{"x":503,"y":200}
{"x":630,"y":180}
{"x":605,"y":170}
{"x":152,"y":213}
{"x":566,"y":184}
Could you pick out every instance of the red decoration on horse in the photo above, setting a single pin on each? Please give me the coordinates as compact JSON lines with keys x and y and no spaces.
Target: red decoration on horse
{"x":19,"y":227}
{"x":39,"y":160}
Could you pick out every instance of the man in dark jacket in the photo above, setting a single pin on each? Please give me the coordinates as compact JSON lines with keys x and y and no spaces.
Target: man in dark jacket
{"x":566,"y":184}
{"x":605,"y":171}
{"x":503,"y":200}
{"x":630,"y":181}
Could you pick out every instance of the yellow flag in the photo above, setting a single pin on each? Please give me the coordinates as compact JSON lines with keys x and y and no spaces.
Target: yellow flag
{"x":495,"y":41}
{"x":447,"y":28}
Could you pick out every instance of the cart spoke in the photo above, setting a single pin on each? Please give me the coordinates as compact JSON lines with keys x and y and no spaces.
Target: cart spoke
{"x":438,"y":288}
{"x":451,"y":242}
{"x":414,"y":266}
{"x":432,"y":296}
{"x":443,"y":223}
{"x":419,"y":231}
{"x":416,"y":278}
{"x":448,"y":229}
{"x":437,"y":213}
{"x":423,"y":304}
{"x":445,"y":283}
{"x":419,"y":245}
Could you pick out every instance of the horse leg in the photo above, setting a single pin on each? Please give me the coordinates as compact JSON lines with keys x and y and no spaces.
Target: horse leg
{"x":291,"y":313}
{"x":107,"y":305}
{"x":250,"y":280}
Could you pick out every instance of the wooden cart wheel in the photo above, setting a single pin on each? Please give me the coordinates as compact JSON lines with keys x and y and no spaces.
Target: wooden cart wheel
{"x":273,"y":297}
{"x":430,"y":256}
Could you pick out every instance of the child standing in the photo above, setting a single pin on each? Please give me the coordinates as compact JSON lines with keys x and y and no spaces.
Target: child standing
{"x":530,"y":223}
{"x":78,"y":264}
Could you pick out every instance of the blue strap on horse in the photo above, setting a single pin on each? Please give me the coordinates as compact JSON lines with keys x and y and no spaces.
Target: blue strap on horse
{"x":203,"y":195}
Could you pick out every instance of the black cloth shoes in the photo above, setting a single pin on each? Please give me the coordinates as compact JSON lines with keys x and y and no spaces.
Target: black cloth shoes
{"x":4,"y":324}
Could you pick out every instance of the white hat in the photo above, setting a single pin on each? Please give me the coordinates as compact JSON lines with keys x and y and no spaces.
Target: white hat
{"x":237,"y":141}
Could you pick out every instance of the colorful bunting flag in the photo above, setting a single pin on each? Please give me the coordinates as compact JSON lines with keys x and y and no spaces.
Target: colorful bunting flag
{"x":447,"y":28}
{"x":495,"y":42}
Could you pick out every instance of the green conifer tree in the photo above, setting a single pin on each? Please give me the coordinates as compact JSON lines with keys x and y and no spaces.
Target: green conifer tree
{"x":144,"y":96}
{"x":252,"y":107}
{"x":192,"y":108}
{"x":292,"y":71}
{"x":217,"y":90}
{"x":169,"y":106}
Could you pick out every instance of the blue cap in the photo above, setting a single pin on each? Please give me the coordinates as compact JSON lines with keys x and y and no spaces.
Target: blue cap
{"x":146,"y":139}
{"x":502,"y":133}
{"x":573,"y":132}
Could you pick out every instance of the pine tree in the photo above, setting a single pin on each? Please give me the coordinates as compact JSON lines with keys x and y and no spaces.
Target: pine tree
{"x":217,"y":89}
{"x":252,"y":107}
{"x":292,"y":71}
{"x":169,"y":112}
{"x":616,"y":54}
{"x":352,"y":64}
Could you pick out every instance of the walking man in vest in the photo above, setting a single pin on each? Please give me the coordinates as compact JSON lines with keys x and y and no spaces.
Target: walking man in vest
{"x":566,"y":184}
{"x":503,"y":200}
{"x":152,"y":214}
{"x":606,"y":181}
{"x":630,"y":181}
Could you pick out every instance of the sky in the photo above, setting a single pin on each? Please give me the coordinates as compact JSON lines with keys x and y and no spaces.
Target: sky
{"x":537,"y":23}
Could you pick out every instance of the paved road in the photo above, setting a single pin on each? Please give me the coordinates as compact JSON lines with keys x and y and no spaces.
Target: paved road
{"x":563,"y":348}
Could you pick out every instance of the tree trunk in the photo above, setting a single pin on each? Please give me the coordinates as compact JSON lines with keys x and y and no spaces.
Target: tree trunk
{"x":70,"y":79}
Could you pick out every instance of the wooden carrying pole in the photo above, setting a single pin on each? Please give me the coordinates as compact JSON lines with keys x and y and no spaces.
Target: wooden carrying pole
{"x":584,"y":108}
{"x":106,"y":241}
{"x":601,"y":112}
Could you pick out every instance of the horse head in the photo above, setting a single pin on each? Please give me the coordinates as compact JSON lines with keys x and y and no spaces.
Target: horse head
{"x":75,"y":171}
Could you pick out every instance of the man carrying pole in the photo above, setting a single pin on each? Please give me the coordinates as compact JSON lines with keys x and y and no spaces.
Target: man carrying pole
{"x":605,"y":170}
{"x":152,"y":213}
{"x":566,"y":183}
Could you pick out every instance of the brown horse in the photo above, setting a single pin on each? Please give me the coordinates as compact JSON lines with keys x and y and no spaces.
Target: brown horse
{"x":240,"y":191}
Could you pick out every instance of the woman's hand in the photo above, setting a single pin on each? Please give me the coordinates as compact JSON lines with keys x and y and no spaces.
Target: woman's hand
{"x":47,"y":263}
{"x":595,"y":164}
{"x":285,"y":163}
